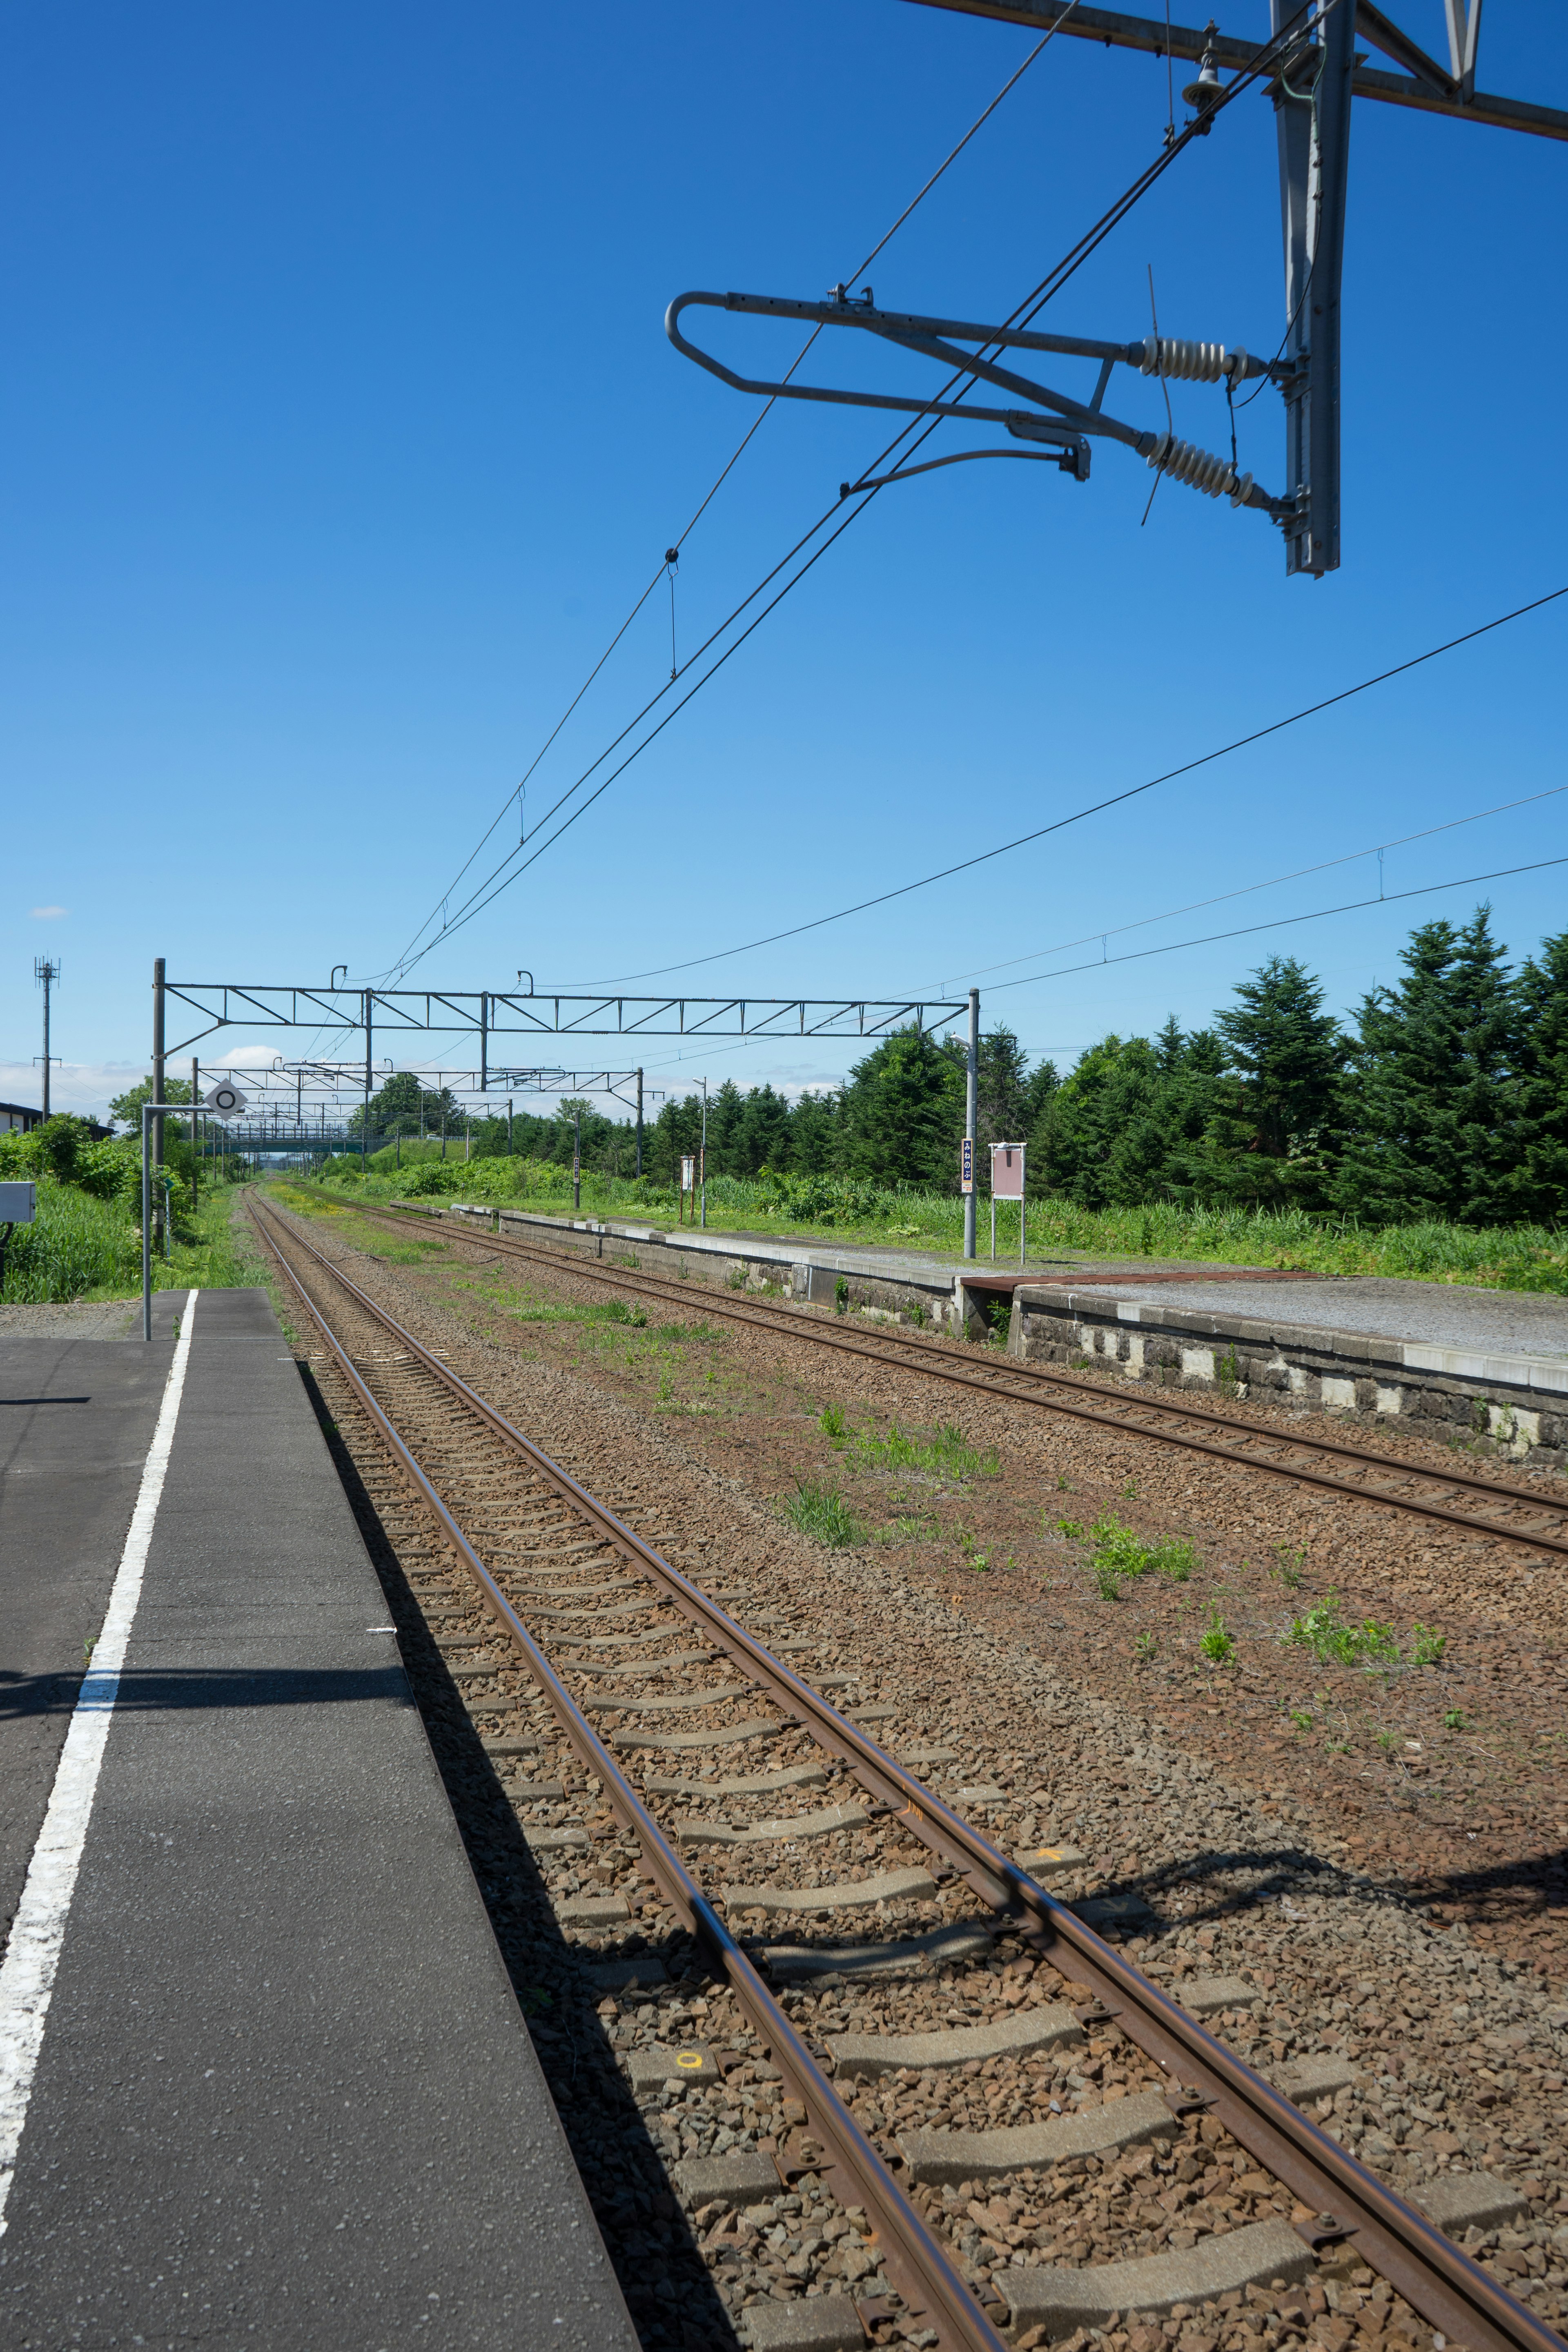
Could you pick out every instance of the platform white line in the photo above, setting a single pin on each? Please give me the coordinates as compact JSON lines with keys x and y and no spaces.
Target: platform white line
{"x":37,"y":1932}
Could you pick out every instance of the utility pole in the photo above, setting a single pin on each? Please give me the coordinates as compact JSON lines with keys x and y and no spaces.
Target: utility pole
{"x":46,"y":972}
{"x":577,"y":1157}
{"x":970,"y":1114}
{"x":158,"y":1066}
{"x":364,"y":1135}
{"x":639,"y":1123}
{"x":508,"y":1126}
{"x":196,"y":1130}
{"x":703,"y":1162}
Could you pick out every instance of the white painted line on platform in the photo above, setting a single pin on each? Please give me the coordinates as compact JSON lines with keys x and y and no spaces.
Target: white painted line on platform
{"x":37,"y":1932}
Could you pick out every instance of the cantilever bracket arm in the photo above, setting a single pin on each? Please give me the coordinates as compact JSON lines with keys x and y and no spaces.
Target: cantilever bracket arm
{"x":768,"y":390}
{"x":1162,"y":356}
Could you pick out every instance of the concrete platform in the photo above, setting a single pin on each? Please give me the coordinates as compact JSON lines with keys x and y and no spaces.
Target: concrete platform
{"x":284,"y":2096}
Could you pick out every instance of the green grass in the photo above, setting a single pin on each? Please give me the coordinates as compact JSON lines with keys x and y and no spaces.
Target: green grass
{"x":821,"y":1511}
{"x":1216,"y":1642}
{"x":1507,"y":1257}
{"x":1333,"y":1642}
{"x":81,"y":1247}
{"x":948,"y":1455}
{"x":1122,"y":1553}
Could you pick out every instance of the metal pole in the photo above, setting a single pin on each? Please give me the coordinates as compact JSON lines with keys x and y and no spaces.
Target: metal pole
{"x":484,"y":1042}
{"x":639,"y":1123}
{"x":158,"y":1057}
{"x":576,"y":1160}
{"x":508,"y":1126}
{"x":365,"y":1134}
{"x":48,"y":972}
{"x":146,"y":1224}
{"x":993,"y":1228}
{"x":970,"y":1114}
{"x":195,"y":1147}
{"x":702,"y":1163}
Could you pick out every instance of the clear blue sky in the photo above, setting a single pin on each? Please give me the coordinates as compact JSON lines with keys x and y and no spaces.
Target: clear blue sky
{"x":340,"y":432}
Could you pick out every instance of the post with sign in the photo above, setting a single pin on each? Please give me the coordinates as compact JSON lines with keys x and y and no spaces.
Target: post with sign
{"x":225,"y":1101}
{"x":1007,"y":1184}
{"x":688,"y":1185}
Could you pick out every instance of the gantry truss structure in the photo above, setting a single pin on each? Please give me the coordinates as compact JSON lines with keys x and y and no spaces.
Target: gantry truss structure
{"x":1312,"y":69}
{"x":484,"y":1014}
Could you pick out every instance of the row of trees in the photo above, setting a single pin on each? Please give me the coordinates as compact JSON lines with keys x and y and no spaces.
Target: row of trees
{"x":1445,"y":1095}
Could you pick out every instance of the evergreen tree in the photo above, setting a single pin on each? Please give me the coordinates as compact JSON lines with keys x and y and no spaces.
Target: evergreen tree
{"x":1002,"y":1097}
{"x":903,"y":1113}
{"x":1116,"y":1131}
{"x":762,"y":1136}
{"x":815,"y":1134}
{"x":1427,"y":1101}
{"x":1539,"y":1186}
{"x":1265,"y":1142}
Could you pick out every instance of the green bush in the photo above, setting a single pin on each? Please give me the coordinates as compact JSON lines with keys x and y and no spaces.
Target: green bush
{"x":78,"y":1243}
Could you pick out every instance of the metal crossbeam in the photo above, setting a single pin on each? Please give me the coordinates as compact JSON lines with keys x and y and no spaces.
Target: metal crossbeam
{"x":485,"y":1014}
{"x":1430,"y":89}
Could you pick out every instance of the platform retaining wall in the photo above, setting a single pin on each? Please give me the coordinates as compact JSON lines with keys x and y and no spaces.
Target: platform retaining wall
{"x":1513,"y":1406}
{"x":843,"y":1281}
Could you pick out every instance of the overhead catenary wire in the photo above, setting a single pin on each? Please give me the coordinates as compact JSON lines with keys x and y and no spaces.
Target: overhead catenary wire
{"x":501,"y":879}
{"x":1280,"y":922}
{"x":1113,"y":800}
{"x":720,"y":478}
{"x":1274,"y":882}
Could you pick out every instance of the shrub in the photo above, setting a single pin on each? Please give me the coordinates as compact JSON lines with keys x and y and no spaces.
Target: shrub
{"x":821,"y":1511}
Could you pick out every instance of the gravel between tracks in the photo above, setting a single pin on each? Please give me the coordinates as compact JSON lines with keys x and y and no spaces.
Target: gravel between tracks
{"x":1455,"y":2052}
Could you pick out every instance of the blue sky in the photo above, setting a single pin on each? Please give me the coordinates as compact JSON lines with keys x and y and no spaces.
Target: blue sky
{"x":341,"y":432}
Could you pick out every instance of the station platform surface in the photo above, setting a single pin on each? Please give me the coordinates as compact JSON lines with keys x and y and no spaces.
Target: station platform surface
{"x":1454,"y":1317}
{"x":284,"y":2096}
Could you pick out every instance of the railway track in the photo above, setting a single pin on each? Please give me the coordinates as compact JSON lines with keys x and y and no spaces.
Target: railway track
{"x":728,"y":1805}
{"x":1499,"y":1509}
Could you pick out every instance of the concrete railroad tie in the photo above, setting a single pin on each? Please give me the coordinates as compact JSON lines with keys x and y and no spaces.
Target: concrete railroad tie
{"x":789,"y":1825}
{"x":848,"y":1895}
{"x":1065,"y":2300}
{"x":617,"y":1609}
{"x":729,"y":1736}
{"x":938,"y":2157}
{"x":592,"y":1911}
{"x":605,"y":1666}
{"x":586,"y":1591}
{"x":1027,"y":2029}
{"x":625,"y":1641}
{"x":826,"y":2323}
{"x":756,"y":1784}
{"x":646,"y":1702}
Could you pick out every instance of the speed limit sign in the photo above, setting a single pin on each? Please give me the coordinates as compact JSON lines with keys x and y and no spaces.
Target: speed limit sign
{"x":225,"y":1100}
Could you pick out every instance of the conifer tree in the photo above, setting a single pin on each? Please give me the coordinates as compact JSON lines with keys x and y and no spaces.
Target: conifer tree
{"x":1426,"y":1104}
{"x":1539,"y":1188}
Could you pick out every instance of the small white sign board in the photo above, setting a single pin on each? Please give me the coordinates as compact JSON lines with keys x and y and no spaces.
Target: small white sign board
{"x":225,"y":1100}
{"x":1006,"y":1172}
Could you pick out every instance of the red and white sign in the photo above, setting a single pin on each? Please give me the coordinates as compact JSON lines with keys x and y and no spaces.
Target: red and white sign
{"x":1006,"y":1172}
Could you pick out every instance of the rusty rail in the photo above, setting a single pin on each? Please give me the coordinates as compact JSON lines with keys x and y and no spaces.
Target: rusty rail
{"x":1020,"y":1382}
{"x":1452,"y":2293}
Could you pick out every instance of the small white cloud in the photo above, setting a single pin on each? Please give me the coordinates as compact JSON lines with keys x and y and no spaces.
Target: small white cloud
{"x":47,"y":914}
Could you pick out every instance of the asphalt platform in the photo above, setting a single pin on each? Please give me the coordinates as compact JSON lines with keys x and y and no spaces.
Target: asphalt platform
{"x":284,"y":2096}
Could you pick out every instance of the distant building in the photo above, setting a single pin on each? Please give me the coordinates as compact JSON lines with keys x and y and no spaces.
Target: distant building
{"x":21,"y":1118}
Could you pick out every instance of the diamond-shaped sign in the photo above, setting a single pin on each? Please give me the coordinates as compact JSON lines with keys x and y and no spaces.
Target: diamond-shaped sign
{"x":225,"y":1100}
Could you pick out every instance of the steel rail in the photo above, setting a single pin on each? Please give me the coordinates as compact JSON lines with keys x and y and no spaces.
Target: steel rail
{"x":1434,"y":2276}
{"x":1127,"y":1416}
{"x":932,"y":2290}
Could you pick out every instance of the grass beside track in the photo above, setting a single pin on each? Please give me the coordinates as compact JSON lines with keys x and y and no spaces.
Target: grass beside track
{"x":1514,"y":1257}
